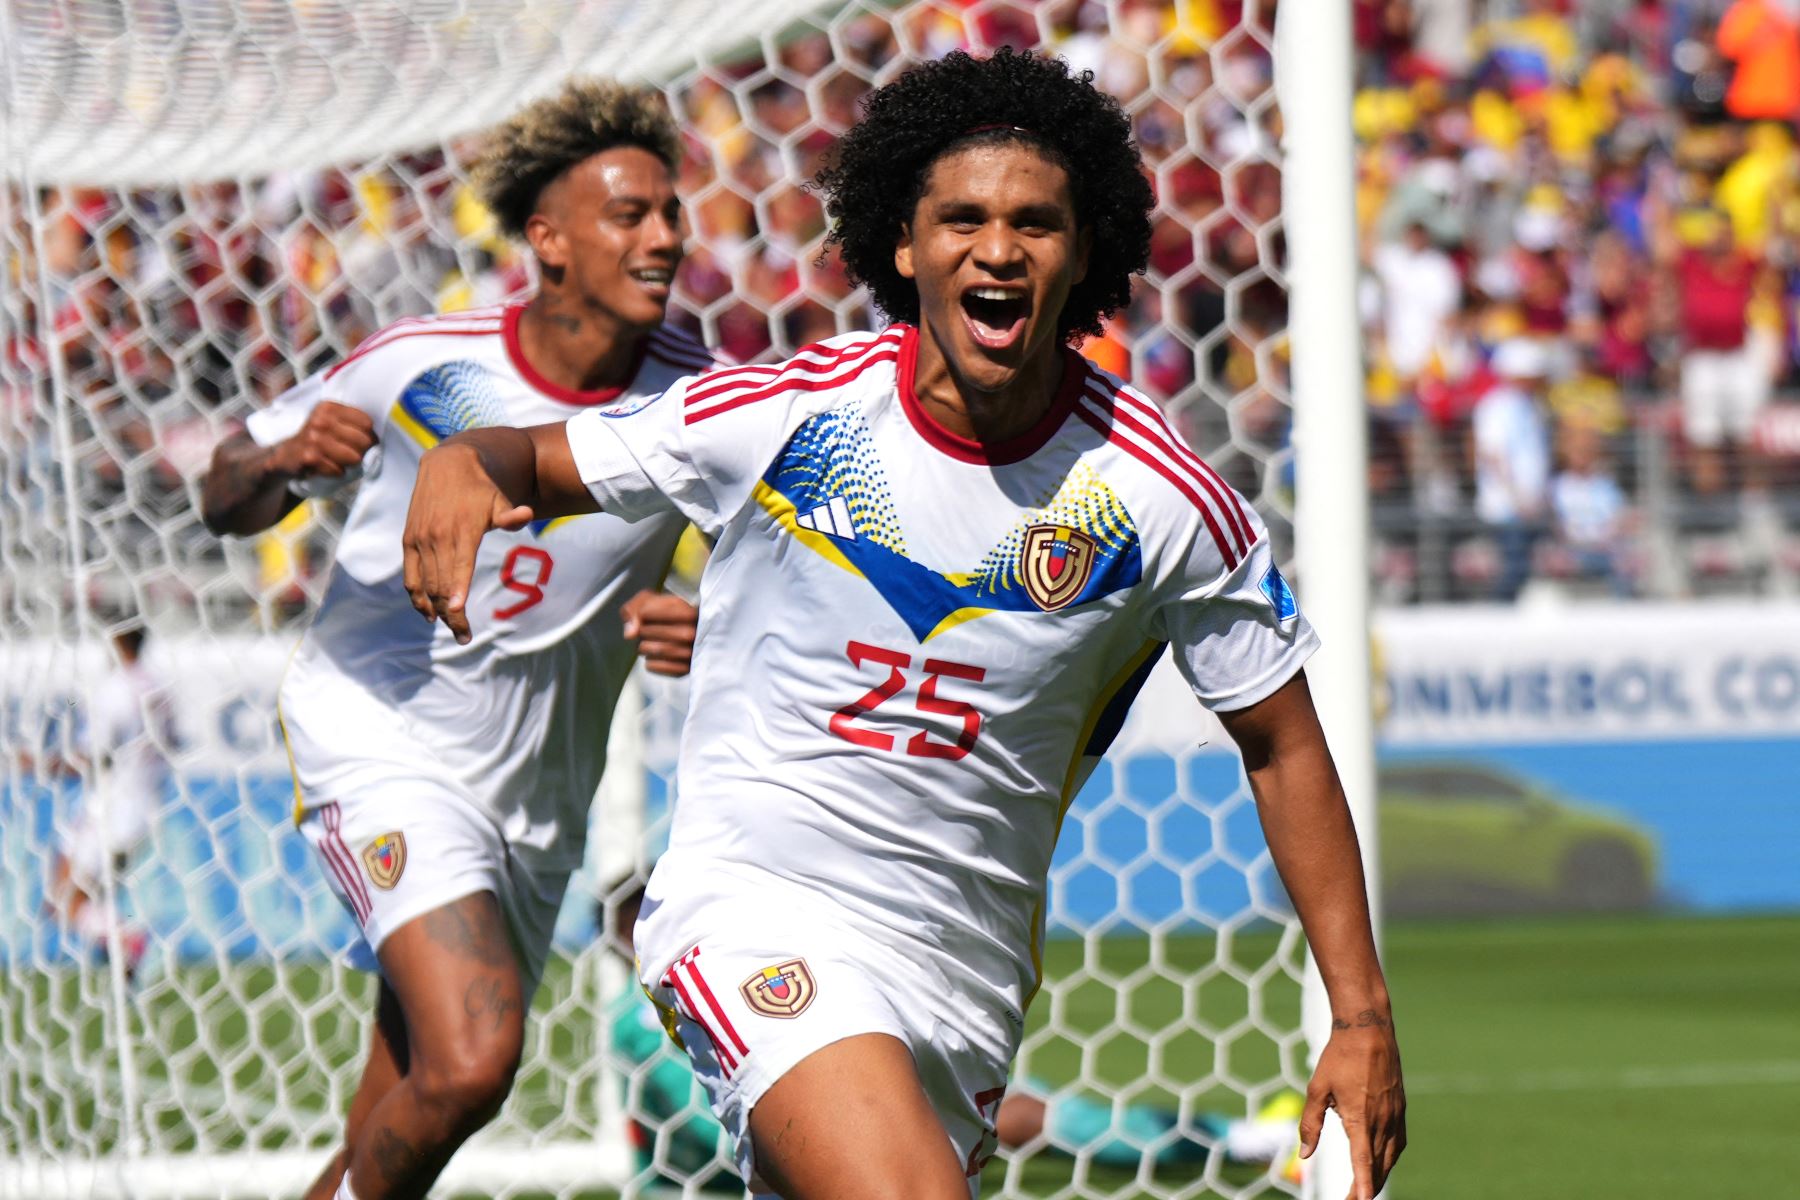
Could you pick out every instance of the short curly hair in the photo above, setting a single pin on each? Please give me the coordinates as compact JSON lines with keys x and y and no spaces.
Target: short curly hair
{"x":877,"y":172}
{"x":526,"y":153}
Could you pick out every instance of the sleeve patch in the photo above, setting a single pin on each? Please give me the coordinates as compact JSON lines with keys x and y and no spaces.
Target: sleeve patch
{"x":1279,"y":595}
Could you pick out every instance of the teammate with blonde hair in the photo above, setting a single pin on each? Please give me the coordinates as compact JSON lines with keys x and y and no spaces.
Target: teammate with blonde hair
{"x":445,"y":786}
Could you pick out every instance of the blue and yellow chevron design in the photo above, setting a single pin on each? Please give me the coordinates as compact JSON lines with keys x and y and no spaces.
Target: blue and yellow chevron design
{"x":448,"y":399}
{"x":834,"y":455}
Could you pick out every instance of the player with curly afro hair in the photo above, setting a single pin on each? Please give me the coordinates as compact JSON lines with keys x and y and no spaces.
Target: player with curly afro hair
{"x":846,"y":935}
{"x":880,"y":168}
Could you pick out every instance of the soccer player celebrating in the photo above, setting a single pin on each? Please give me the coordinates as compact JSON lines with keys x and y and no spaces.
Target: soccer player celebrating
{"x":445,"y":784}
{"x":947,"y":556}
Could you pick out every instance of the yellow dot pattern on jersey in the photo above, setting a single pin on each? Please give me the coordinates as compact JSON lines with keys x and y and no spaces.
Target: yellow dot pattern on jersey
{"x":1083,"y":502}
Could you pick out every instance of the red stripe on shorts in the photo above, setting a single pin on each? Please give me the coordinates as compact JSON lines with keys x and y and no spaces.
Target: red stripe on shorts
{"x":337,"y":854}
{"x":713,"y":1001}
{"x":727,"y":1062}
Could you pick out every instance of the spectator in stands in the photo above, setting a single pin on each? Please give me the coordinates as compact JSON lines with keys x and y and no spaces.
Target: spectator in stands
{"x":1512,"y":460}
{"x":1762,"y":38}
{"x":1592,"y":516}
{"x":1725,"y":380}
{"x":1420,"y":293}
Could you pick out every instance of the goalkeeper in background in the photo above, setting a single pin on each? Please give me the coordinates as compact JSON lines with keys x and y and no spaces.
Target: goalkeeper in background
{"x":445,"y":788}
{"x":122,"y":761}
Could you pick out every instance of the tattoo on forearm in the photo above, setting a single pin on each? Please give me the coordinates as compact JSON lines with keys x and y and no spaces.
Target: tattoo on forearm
{"x":1368,"y":1018}
{"x":488,"y":999}
{"x":456,"y":929}
{"x":397,"y":1158}
{"x":239,"y":478}
{"x":239,"y":470}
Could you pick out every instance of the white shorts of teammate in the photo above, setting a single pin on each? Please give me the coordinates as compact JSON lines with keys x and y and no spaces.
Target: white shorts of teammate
{"x":778,"y":974}
{"x":395,"y":852}
{"x":1724,"y":391}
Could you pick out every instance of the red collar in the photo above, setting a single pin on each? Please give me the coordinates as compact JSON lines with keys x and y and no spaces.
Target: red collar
{"x":557,"y":392}
{"x":970,"y":450}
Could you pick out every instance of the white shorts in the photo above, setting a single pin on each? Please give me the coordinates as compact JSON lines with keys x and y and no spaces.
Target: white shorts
{"x":1723,"y":392}
{"x":390,"y":855}
{"x":775,"y":978}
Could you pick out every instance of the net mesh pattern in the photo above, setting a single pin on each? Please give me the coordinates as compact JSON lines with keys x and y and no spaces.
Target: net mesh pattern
{"x":207,"y":201}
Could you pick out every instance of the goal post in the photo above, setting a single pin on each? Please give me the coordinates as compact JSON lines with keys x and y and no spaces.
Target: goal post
{"x":202,"y":203}
{"x":1313,"y":78}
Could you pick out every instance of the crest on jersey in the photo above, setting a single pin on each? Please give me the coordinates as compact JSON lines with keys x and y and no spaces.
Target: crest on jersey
{"x":1055,"y":564}
{"x":781,"y":991}
{"x":385,"y":858}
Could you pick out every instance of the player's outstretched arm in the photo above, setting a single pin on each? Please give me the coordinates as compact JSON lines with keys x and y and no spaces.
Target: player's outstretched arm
{"x":476,"y":481}
{"x":1307,"y":823}
{"x":246,"y":486}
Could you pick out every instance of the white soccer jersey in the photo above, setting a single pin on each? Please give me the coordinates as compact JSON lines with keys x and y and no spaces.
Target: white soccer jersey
{"x":516,"y":721}
{"x":914,"y":647}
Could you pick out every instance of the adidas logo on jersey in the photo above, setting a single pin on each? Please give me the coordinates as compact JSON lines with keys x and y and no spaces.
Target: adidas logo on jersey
{"x":831,"y":517}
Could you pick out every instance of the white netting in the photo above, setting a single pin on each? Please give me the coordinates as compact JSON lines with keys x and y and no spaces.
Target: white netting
{"x":209,"y":199}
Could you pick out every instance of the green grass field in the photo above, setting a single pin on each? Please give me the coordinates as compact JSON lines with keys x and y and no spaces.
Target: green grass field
{"x":1633,"y":1059}
{"x":1584,"y":1058}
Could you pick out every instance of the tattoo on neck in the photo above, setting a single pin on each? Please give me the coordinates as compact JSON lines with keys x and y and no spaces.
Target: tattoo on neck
{"x":564,"y":322}
{"x":1368,"y":1018}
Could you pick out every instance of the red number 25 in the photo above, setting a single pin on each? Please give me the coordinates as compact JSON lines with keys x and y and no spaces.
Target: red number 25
{"x":921,"y":744}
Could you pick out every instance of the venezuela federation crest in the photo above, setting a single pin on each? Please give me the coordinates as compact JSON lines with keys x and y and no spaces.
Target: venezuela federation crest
{"x":782,"y":991}
{"x":385,"y":858}
{"x":1055,"y":564}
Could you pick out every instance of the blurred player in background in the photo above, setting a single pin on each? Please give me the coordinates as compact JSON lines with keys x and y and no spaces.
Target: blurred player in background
{"x":445,"y":787}
{"x":666,"y":1104}
{"x":947,"y":555}
{"x":122,"y":758}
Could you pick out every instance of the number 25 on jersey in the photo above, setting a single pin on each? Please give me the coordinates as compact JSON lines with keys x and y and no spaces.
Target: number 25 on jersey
{"x":922,"y":744}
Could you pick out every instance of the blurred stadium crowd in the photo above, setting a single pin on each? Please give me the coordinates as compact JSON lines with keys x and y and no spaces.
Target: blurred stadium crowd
{"x":1578,"y":231}
{"x":1578,"y":226}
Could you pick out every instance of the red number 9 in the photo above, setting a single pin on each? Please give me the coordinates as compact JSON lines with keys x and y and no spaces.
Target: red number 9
{"x":531,"y":589}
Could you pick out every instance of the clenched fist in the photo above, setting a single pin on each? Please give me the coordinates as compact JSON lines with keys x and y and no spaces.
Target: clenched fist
{"x":664,"y":626}
{"x":333,"y":441}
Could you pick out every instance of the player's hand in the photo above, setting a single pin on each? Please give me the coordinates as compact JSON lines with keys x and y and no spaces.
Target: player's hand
{"x":454,"y":504}
{"x":333,"y":441}
{"x":1359,"y":1075}
{"x":664,"y":627}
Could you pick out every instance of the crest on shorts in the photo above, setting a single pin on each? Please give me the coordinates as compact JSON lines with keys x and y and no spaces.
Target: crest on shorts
{"x":782,"y":991}
{"x":1055,"y":564}
{"x":385,"y":858}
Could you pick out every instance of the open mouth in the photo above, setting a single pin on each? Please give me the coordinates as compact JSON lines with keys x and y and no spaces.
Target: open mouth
{"x":996,"y":315}
{"x":654,"y":279}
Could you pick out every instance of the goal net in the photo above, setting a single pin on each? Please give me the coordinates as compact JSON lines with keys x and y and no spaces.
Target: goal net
{"x":208,"y":199}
